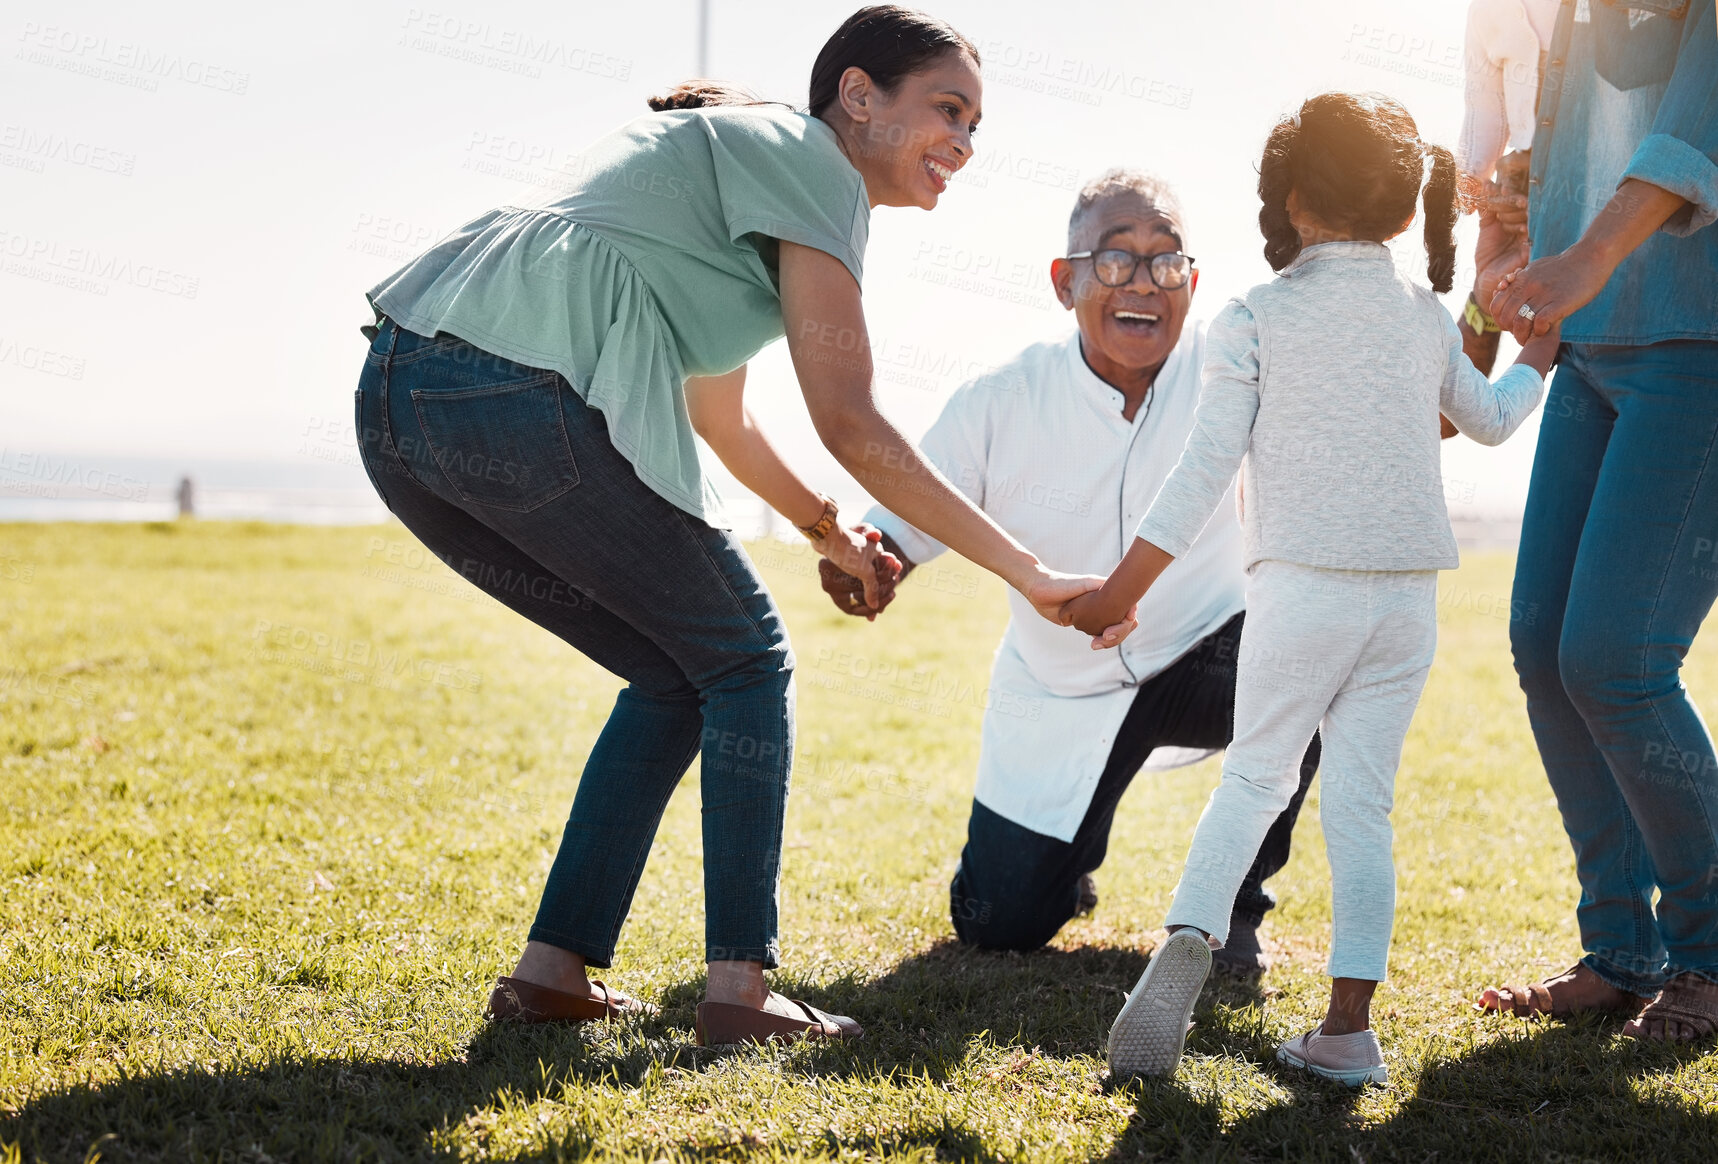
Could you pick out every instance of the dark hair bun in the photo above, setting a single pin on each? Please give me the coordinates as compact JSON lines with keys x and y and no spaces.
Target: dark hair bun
{"x":701,"y":93}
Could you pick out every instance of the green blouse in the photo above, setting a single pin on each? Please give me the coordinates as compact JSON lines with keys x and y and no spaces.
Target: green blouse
{"x":657,"y":263}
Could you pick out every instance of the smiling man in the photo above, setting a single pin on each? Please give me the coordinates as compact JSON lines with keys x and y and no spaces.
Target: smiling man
{"x":1065,"y":446}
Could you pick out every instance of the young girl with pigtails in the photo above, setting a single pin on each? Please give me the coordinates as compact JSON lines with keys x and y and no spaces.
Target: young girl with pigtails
{"x":1323,"y":388}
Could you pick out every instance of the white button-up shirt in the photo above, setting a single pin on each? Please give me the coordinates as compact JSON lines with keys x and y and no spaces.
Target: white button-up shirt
{"x":1040,"y":444}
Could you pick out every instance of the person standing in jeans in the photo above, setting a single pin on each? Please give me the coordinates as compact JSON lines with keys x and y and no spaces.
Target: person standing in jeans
{"x":1616,"y":559}
{"x":527,"y":409}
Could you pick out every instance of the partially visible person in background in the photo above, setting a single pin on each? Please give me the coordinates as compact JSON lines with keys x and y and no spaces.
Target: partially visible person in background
{"x":1615,"y":552}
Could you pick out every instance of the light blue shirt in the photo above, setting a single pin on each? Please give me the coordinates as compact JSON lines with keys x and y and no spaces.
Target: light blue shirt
{"x":1632,"y":92}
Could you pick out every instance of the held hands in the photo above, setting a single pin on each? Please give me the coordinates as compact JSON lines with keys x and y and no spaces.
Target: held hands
{"x":1553,"y":288}
{"x":1054,"y":595}
{"x":857,"y":573}
{"x":1087,"y":613}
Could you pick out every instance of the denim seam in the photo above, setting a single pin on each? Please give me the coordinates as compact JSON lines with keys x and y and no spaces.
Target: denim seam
{"x":727,"y":586}
{"x":643,"y":854}
{"x":438,"y":344}
{"x":1652,"y":618}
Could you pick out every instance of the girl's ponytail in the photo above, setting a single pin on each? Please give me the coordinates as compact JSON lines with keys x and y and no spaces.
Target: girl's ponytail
{"x":1282,"y":240}
{"x":1440,"y":208}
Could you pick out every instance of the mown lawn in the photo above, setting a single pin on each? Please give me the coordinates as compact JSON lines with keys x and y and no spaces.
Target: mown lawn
{"x":278,"y":803}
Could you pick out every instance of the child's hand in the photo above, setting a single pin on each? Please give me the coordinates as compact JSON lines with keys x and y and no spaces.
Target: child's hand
{"x":1090,"y":615}
{"x":1541,"y":350}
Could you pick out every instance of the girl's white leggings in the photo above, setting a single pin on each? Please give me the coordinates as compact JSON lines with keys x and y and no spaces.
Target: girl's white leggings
{"x":1346,"y":651}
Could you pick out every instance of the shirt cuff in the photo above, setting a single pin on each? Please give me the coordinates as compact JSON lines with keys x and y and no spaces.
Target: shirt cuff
{"x":919,"y":548}
{"x":1156,"y":529}
{"x":1673,"y":164}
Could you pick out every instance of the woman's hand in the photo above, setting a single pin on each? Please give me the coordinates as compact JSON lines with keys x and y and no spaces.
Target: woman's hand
{"x":1553,"y":288}
{"x":1050,"y":591}
{"x":1557,"y":286}
{"x":858,"y":551}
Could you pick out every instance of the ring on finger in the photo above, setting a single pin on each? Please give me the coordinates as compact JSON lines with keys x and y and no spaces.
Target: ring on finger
{"x":1526,"y":312}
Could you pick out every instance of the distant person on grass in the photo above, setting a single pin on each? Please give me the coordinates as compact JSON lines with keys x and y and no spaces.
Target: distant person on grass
{"x":528,"y":408}
{"x":1064,"y":446}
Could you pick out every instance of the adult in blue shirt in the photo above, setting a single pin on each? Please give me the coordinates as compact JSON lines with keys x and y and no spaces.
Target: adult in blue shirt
{"x":1617,"y":561}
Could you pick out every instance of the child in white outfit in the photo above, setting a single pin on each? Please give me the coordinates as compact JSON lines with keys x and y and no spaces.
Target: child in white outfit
{"x":1323,"y":388}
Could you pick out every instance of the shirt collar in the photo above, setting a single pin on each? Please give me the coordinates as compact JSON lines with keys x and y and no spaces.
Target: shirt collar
{"x":1347,"y":249}
{"x":1106,"y":395}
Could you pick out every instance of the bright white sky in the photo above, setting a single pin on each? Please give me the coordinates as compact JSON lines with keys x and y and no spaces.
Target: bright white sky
{"x":193,"y":196}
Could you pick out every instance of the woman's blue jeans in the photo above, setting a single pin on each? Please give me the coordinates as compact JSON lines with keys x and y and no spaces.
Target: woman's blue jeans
{"x":511,"y":480}
{"x":1618,"y":569}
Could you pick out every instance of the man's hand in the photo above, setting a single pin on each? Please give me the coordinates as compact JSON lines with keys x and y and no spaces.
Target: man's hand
{"x":1502,"y":245}
{"x":847,"y":591}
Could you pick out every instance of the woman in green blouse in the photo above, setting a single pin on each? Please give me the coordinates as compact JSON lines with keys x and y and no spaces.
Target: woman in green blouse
{"x":528,"y":408}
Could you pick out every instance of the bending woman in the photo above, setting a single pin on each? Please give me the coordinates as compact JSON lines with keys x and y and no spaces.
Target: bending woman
{"x":527,"y":409}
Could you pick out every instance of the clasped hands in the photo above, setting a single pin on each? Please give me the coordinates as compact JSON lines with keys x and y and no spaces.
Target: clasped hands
{"x":864,"y":583}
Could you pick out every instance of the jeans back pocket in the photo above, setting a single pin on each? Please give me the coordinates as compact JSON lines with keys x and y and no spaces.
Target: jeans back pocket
{"x":503,"y":446}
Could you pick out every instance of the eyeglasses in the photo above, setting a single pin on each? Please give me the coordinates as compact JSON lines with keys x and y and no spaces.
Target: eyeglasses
{"x":1170,"y":270}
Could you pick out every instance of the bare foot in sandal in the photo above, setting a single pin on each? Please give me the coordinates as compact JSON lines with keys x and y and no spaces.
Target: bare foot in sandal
{"x":1576,"y":989}
{"x":1685,"y":1011}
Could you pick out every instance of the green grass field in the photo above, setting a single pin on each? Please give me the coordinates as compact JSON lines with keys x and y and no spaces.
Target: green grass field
{"x":279,"y":801}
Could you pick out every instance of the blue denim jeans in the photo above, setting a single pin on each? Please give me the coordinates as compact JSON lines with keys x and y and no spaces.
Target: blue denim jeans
{"x":1617,"y":570}
{"x":512,"y":481}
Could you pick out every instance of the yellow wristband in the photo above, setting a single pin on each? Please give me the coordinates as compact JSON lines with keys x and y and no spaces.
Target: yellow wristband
{"x":1477,"y":317}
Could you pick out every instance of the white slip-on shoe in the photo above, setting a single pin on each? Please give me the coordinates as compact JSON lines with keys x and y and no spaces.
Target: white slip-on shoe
{"x":1354,"y":1059}
{"x":1148,"y":1034}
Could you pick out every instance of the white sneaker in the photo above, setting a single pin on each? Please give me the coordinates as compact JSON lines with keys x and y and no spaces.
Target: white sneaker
{"x":1148,"y":1034}
{"x":1354,"y":1059}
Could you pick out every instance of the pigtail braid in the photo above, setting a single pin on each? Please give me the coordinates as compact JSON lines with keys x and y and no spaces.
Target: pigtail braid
{"x":1282,"y":240}
{"x":1440,"y":208}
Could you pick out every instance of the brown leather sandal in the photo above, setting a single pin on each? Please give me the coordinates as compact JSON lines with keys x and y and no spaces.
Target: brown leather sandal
{"x":526,"y":1002}
{"x":1548,"y":996}
{"x":1685,"y":1011}
{"x":723,"y":1022}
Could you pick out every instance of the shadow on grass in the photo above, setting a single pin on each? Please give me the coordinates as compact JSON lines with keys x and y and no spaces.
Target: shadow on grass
{"x":1561,"y":1093}
{"x":921,"y":1018}
{"x":1550,"y":1092}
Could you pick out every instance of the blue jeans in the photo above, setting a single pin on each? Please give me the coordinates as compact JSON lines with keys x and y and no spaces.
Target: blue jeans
{"x":1617,"y":570}
{"x":506,"y":475}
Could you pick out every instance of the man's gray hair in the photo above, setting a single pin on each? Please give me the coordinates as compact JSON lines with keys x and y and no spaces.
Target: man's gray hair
{"x":1123,"y":180}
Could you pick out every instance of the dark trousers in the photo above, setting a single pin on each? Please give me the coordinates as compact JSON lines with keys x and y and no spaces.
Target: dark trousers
{"x":1015,"y":888}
